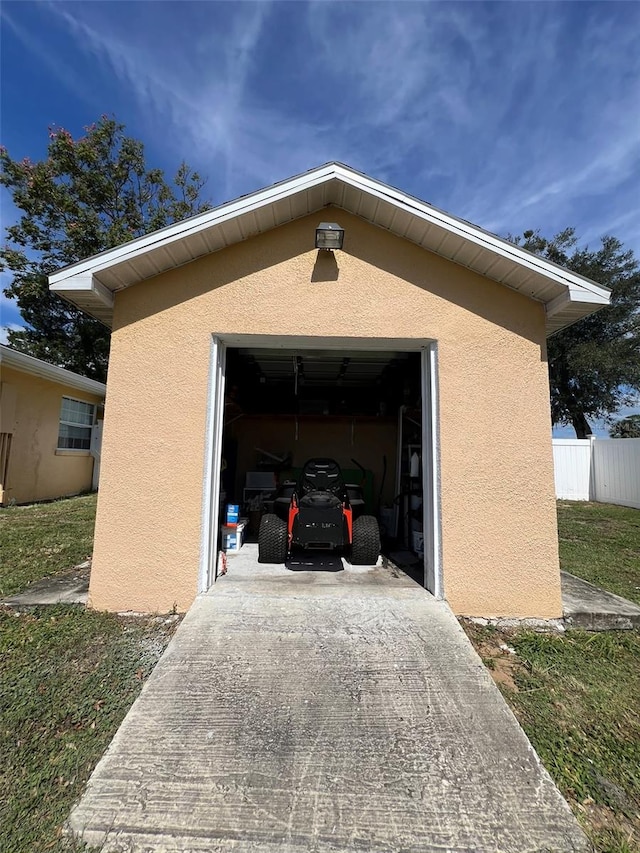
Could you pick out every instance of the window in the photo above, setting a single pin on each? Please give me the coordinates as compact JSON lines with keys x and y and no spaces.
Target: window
{"x":76,"y":420}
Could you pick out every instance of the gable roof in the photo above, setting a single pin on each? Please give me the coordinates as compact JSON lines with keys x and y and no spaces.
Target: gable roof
{"x":43,"y":370}
{"x":91,"y":284}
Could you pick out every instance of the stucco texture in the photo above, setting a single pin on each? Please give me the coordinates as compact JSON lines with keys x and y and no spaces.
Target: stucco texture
{"x":37,"y":470}
{"x":499,"y":538}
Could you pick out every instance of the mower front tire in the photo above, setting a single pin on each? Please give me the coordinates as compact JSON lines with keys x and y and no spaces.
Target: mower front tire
{"x":365,"y":547}
{"x":272,"y":539}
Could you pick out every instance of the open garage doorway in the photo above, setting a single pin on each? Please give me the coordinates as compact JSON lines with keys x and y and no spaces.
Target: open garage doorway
{"x":371,"y":405}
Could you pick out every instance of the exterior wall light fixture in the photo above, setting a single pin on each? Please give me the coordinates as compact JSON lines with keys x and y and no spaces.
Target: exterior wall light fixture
{"x":329,"y":235}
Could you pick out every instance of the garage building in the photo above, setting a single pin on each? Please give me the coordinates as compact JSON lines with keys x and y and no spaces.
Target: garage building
{"x":414,"y":354}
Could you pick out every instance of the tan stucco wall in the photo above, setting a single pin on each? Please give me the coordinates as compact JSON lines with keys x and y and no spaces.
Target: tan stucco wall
{"x":37,"y":470}
{"x":498,"y":509}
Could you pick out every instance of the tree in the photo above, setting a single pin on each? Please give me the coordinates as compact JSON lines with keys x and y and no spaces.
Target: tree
{"x":594,"y":365}
{"x":88,"y":195}
{"x":628,"y":427}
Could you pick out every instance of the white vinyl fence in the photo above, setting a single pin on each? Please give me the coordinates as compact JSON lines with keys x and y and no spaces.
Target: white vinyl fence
{"x":606,"y":470}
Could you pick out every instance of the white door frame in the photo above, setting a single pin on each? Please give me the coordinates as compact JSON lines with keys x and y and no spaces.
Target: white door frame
{"x":433,"y":575}
{"x":212,"y":465}
{"x":430,"y":439}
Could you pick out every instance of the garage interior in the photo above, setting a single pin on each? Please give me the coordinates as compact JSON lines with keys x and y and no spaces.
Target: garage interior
{"x":361,"y":408}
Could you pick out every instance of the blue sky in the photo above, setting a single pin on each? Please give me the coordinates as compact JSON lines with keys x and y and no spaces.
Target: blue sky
{"x":512,"y":115}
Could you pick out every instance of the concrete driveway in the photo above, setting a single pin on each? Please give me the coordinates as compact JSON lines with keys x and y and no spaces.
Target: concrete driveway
{"x":321,"y":709}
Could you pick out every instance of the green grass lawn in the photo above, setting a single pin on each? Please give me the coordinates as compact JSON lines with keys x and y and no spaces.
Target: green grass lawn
{"x":44,"y":539}
{"x":601,"y":543}
{"x":67,"y":676}
{"x":577,"y":696}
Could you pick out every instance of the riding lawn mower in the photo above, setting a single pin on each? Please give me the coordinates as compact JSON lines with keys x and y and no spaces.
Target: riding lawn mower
{"x":319,"y":511}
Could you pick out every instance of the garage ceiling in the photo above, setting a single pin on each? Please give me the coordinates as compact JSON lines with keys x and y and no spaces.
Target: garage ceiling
{"x":320,"y":367}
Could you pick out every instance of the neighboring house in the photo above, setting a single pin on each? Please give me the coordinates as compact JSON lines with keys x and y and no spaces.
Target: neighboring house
{"x":50,"y":421}
{"x":419,"y":348}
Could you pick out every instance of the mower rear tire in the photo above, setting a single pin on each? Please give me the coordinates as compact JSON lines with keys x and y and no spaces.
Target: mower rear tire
{"x":365,"y":547}
{"x":272,"y":539}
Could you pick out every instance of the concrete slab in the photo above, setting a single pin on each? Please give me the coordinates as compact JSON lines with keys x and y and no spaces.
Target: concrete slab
{"x":324,"y":708}
{"x":71,"y":588}
{"x":588,"y":606}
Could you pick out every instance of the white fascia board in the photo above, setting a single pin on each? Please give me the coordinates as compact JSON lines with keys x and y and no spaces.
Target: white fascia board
{"x":216,"y":216}
{"x":572,"y":296}
{"x":578,"y":294}
{"x":246,"y":204}
{"x":562,"y":309}
{"x":474,"y":234}
{"x":43,"y":370}
{"x":87,"y":283}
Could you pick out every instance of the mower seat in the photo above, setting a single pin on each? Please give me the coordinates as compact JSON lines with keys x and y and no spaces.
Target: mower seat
{"x":321,"y":475}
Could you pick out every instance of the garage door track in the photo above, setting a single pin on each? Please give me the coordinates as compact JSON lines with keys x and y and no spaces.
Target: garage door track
{"x":321,"y":708}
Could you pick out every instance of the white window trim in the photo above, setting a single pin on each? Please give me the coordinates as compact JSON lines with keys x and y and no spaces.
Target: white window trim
{"x":75,"y":450}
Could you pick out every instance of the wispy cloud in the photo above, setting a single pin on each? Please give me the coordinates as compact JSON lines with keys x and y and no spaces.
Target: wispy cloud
{"x":38,"y":46}
{"x":510,"y":115}
{"x":209,"y":102}
{"x":368,"y":88}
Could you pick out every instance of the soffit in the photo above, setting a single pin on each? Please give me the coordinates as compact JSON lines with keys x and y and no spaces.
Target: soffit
{"x":90,"y":284}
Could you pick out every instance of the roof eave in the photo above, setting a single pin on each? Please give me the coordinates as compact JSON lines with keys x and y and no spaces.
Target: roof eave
{"x":570,"y":307}
{"x":144,"y":257}
{"x":230,"y":210}
{"x":43,"y":370}
{"x":215,"y":216}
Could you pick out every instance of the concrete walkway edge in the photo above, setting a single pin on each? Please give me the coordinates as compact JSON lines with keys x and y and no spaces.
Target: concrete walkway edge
{"x":321,"y":711}
{"x":588,"y":606}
